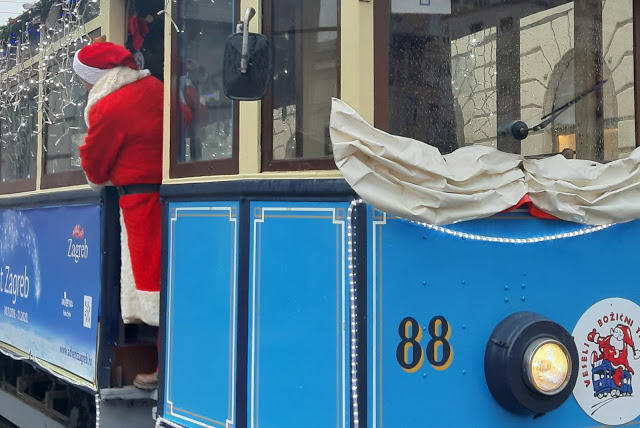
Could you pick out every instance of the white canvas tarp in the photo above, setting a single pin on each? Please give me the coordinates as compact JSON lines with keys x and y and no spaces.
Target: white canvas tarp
{"x":413,"y":180}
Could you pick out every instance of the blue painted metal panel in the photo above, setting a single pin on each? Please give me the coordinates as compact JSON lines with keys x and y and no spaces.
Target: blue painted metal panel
{"x":298,"y":332}
{"x":459,"y":273}
{"x":201,"y":314}
{"x":50,"y":287}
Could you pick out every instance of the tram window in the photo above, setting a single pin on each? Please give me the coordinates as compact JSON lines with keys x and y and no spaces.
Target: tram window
{"x":61,"y":14}
{"x":65,"y":126}
{"x":18,"y":129}
{"x":487,"y":65}
{"x":88,"y":9}
{"x":305,"y":42}
{"x":206,"y":144}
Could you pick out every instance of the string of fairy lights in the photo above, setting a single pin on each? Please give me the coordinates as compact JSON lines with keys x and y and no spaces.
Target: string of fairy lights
{"x":36,"y":76}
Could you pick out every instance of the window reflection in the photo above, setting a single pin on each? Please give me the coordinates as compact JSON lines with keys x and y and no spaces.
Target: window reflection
{"x":462,"y":78}
{"x":18,"y":118}
{"x":305,"y":76}
{"x":208,"y":124}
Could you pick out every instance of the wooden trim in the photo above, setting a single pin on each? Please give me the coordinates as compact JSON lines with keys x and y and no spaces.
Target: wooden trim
{"x":381,"y":16}
{"x":204,"y":167}
{"x":300,"y":78}
{"x":18,"y":186}
{"x":61,"y":179}
{"x":339,"y":50}
{"x":266,"y":116}
{"x":302,"y":164}
{"x":267,"y":162}
{"x":636,"y":69}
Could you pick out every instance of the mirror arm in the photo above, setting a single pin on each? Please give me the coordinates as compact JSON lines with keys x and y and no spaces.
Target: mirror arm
{"x":244,"y":59}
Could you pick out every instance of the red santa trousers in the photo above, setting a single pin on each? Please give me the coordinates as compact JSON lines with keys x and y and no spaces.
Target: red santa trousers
{"x":141,"y":218}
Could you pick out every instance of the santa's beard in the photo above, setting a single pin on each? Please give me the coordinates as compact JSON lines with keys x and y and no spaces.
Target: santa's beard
{"x":617,"y":343}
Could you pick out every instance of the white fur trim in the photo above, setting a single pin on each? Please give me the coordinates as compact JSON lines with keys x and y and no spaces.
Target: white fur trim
{"x":136,"y":305}
{"x":110,"y":82}
{"x":89,"y":74}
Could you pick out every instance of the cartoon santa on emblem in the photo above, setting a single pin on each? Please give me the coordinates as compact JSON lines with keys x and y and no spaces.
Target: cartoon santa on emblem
{"x":605,"y":391}
{"x":615,"y":349}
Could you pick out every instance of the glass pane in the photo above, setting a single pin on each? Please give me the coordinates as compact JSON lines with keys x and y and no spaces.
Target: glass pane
{"x":18,"y":128}
{"x":88,"y":9}
{"x":20,"y":43}
{"x":65,"y":127}
{"x":305,"y":76}
{"x":465,"y":77}
{"x":208,"y":125}
{"x":65,"y":17}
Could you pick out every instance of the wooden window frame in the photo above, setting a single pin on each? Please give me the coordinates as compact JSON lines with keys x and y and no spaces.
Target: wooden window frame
{"x":381,"y":16}
{"x":636,"y":69}
{"x":268,"y":163}
{"x":202,"y":168}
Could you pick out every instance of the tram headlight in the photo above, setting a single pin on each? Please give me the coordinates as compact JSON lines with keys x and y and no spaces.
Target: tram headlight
{"x":531,"y":363}
{"x":547,"y":365}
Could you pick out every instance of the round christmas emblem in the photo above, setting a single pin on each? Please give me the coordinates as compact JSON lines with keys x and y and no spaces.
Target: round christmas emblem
{"x":608,"y":340}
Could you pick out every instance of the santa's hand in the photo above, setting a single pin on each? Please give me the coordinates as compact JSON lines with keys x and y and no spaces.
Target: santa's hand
{"x":591,"y":337}
{"x":636,"y":354}
{"x":97,"y":187}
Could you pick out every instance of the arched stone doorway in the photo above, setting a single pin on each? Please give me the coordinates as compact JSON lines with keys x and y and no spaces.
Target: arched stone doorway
{"x":561,"y":89}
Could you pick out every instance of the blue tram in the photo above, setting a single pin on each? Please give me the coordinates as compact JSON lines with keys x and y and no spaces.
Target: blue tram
{"x":604,"y":384}
{"x":398,"y":213}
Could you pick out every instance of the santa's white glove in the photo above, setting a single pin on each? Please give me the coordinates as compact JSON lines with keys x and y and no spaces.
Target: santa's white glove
{"x":97,"y":187}
{"x":636,"y":354}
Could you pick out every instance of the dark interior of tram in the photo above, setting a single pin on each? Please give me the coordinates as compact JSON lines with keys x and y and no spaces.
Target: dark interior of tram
{"x":422,"y":99}
{"x":146,"y":33}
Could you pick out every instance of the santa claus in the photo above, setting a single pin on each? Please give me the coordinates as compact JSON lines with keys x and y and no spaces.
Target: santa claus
{"x":123,"y":148}
{"x":615,"y":349}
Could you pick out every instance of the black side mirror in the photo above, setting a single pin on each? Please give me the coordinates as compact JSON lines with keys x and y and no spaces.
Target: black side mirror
{"x":247,"y":63}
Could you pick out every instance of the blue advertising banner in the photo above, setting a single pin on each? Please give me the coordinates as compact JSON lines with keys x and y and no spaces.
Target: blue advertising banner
{"x":50,"y":287}
{"x":435,"y":294}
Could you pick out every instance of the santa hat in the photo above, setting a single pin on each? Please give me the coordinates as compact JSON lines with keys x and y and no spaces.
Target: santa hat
{"x":627,"y":338}
{"x":91,"y":62}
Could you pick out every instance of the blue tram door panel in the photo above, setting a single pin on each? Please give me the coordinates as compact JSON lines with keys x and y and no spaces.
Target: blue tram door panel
{"x":297,"y":363}
{"x":201,"y":314}
{"x":462,"y":280}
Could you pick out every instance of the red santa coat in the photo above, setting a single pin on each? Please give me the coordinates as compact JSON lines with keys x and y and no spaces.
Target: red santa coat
{"x":124,"y":146}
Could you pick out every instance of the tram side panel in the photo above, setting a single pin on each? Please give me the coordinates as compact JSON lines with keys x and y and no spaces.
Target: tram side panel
{"x":298,"y":372}
{"x":50,"y":267}
{"x":436,"y":294}
{"x":202,"y":290}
